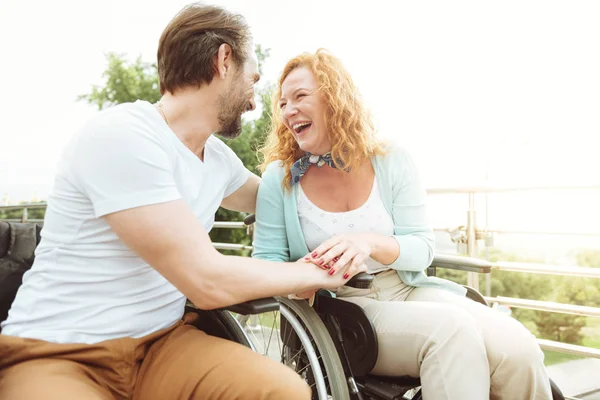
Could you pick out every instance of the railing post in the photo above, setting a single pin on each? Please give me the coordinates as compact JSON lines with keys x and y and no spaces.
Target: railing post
{"x":25,"y":216}
{"x":472,"y":277}
{"x":253,"y":320}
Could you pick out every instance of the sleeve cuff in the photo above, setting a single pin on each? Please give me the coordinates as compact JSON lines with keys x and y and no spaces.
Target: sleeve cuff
{"x":414,"y":255}
{"x":237,"y":183}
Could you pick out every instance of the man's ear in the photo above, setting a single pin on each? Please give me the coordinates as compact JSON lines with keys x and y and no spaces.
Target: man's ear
{"x":224,"y":61}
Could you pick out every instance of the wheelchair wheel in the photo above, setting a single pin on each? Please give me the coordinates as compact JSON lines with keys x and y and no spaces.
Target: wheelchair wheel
{"x":221,"y":324}
{"x":296,"y":337}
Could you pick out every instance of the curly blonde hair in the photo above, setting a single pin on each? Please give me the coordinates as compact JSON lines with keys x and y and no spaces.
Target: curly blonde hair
{"x":350,"y":129}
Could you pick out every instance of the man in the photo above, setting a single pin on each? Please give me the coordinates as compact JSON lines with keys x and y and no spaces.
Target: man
{"x":125,"y":242}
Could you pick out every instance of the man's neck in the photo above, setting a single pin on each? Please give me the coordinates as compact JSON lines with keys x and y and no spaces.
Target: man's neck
{"x":192,"y":115}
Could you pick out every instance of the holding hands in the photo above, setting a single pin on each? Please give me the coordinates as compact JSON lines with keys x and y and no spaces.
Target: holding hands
{"x":344,"y":254}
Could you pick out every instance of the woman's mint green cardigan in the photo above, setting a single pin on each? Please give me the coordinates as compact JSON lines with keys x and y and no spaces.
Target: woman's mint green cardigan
{"x":278,"y":235}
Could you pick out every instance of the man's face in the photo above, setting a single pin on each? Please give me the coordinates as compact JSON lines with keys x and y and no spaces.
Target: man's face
{"x":238,"y":97}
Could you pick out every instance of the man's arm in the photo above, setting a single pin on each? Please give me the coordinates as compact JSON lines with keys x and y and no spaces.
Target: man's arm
{"x":243,"y":199}
{"x":182,"y":252}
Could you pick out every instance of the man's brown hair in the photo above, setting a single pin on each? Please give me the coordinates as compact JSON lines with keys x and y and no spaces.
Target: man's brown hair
{"x":190,"y":42}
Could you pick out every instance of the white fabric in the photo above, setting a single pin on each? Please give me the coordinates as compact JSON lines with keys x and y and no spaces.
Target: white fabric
{"x":319,"y":225}
{"x":85,"y":285}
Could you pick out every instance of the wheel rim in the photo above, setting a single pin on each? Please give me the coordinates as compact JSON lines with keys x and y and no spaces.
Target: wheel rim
{"x":310,"y":352}
{"x":316,"y":361}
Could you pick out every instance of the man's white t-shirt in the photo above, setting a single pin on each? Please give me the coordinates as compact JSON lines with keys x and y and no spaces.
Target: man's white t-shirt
{"x":85,"y":285}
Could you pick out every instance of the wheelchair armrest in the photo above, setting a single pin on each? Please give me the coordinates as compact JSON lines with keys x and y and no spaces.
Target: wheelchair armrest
{"x":360,"y":281}
{"x":250,"y":219}
{"x":461,"y":263}
{"x":257,"y":306}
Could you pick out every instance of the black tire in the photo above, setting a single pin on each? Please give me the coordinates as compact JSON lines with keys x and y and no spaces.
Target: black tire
{"x":222,"y":324}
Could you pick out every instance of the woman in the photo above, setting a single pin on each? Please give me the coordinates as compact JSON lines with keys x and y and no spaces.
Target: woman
{"x":334,"y":193}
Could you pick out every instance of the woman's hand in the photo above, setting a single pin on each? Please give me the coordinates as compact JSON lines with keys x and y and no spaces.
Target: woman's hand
{"x":343,"y":252}
{"x":307,"y":259}
{"x":330,"y":282}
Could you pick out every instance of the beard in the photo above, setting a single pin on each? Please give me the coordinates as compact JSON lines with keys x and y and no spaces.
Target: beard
{"x":231,"y":107}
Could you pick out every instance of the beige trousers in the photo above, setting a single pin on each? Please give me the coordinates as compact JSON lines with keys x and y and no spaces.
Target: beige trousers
{"x":459,"y":348}
{"x":178,"y":363}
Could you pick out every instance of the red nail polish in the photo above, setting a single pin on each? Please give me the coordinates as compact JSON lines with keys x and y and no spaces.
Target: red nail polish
{"x":346,"y":276}
{"x":314,"y":254}
{"x":331,"y":271}
{"x":320,"y":262}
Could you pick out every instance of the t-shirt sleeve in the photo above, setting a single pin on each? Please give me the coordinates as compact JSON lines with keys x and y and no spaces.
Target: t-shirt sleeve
{"x":121,"y":166}
{"x":238,"y":172}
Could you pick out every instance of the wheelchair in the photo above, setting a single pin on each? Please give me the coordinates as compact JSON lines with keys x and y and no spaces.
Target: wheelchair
{"x":335,"y":347}
{"x":341,"y":348}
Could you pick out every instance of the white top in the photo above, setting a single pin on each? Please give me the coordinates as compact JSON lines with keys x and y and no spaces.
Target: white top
{"x":85,"y":285}
{"x":319,"y":225}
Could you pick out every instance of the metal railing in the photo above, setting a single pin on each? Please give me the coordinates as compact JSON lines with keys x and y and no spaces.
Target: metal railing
{"x":469,"y":236}
{"x":471,"y":264}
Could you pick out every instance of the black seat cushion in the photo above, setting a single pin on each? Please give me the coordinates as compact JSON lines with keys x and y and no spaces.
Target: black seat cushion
{"x":17,"y":252}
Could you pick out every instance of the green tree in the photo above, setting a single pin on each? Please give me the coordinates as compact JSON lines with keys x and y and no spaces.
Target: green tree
{"x":566,"y":290}
{"x":129,"y":81}
{"x":124,"y":82}
{"x":565,"y":327}
{"x":590,"y":258}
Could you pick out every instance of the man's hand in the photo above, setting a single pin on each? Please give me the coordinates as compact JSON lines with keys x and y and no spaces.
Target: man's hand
{"x":308,"y":293}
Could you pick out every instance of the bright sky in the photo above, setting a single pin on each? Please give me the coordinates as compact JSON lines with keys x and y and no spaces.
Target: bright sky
{"x":507,"y":87}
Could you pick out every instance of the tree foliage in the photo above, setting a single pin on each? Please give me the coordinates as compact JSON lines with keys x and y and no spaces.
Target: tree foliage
{"x":124,"y":82}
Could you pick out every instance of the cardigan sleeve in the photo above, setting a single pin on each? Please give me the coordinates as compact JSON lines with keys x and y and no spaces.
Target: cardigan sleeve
{"x":270,"y":236}
{"x":411,"y":229}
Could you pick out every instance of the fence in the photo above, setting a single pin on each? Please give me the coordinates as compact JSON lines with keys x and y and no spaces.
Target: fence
{"x":467,"y":235}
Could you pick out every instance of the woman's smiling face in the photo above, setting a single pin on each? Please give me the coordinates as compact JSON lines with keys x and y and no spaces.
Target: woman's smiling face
{"x":303,"y":111}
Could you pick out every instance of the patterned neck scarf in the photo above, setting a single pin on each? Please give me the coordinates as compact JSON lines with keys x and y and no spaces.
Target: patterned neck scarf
{"x":303,"y":163}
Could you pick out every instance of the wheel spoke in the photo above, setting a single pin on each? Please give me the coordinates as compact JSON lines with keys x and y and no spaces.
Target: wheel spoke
{"x":308,"y":351}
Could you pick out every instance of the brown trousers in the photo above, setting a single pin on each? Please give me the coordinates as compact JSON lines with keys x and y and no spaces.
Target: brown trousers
{"x":180,"y":363}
